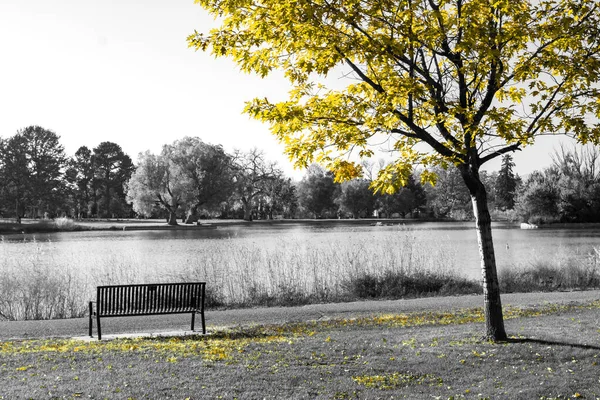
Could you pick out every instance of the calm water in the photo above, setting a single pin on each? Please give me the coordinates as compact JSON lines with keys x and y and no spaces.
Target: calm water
{"x":156,"y":249}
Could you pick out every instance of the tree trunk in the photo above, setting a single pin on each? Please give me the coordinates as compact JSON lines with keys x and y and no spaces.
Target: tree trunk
{"x":247,"y":209}
{"x":494,"y":321}
{"x":107,"y":194}
{"x":172,"y":218}
{"x":17,"y":212}
{"x":95,"y":210}
{"x":171,"y":209}
{"x":192,"y":215}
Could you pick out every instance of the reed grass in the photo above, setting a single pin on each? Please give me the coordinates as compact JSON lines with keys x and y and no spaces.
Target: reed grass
{"x":34,"y":287}
{"x":242,"y":272}
{"x":563,"y":272}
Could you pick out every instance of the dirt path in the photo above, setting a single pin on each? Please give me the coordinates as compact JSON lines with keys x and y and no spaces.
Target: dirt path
{"x":78,"y":327}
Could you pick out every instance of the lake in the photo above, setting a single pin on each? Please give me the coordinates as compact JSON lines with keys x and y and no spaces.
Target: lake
{"x":159,"y":248}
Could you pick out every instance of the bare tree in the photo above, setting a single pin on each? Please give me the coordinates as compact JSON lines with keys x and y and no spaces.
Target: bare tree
{"x":252,"y":173}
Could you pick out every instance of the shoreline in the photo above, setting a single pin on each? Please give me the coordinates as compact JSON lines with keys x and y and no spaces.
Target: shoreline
{"x":49,"y":226}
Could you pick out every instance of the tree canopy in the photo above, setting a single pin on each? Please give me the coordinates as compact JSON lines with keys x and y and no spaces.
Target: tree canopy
{"x":208,"y":170}
{"x":473,"y":79}
{"x":441,"y":82}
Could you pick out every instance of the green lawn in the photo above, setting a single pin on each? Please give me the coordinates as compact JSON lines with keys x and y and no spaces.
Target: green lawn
{"x":554,"y":354}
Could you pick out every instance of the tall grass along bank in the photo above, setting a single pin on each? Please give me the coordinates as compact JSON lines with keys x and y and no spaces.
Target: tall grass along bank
{"x":563,"y":272}
{"x":243,"y":272}
{"x":239,"y":272}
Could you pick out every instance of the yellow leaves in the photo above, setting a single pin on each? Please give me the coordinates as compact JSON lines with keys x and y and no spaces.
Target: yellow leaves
{"x":417,"y":72}
{"x":396,"y":380}
{"x":516,"y":95}
{"x":512,"y":94}
{"x":428,"y":177}
{"x":345,"y":170}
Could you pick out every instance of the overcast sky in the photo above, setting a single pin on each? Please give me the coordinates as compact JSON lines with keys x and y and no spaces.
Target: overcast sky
{"x":121,"y":71}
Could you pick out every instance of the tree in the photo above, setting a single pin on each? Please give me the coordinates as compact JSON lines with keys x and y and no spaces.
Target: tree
{"x":46,"y":163}
{"x":406,"y":200}
{"x":113,"y":168}
{"x":506,"y":184}
{"x":80,"y":176}
{"x":449,"y":197}
{"x":578,"y":183}
{"x":356,"y":198}
{"x":537,"y":200}
{"x":157,"y":180}
{"x":207,"y":168}
{"x":14,"y":174}
{"x":279,"y":197}
{"x":447,"y":82}
{"x":252,"y":174}
{"x":34,"y":162}
{"x":317,"y":191}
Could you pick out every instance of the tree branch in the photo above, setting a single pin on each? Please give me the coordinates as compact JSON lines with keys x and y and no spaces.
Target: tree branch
{"x":507,"y":149}
{"x":363,"y":76}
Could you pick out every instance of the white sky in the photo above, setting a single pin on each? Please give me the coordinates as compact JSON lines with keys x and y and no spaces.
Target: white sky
{"x":121,"y":71}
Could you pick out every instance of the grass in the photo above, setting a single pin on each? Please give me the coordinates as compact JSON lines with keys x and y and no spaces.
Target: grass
{"x":427,"y":355}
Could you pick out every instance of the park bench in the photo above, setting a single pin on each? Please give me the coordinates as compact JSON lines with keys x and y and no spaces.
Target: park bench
{"x":148,"y":299}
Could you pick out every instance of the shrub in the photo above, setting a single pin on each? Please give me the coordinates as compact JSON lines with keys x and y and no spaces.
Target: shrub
{"x":398,"y":285}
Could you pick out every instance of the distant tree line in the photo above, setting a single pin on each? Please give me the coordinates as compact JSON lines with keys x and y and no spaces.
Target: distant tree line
{"x":38,"y":180}
{"x":190,"y":179}
{"x":567,"y":191}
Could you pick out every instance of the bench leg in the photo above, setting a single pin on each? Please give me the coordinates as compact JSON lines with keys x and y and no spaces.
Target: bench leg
{"x":203,"y":323}
{"x":193,"y":320}
{"x":99,"y":328}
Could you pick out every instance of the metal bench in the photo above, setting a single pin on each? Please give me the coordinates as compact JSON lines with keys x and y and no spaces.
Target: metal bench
{"x":148,"y":299}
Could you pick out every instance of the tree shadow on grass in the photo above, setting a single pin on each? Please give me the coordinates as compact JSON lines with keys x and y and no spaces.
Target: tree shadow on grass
{"x":553,"y":343}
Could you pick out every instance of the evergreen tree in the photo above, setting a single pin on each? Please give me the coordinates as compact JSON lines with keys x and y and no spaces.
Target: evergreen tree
{"x":506,"y":184}
{"x":113,"y":168}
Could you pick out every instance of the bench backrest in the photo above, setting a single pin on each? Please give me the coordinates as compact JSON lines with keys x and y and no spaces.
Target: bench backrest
{"x":147,"y":299}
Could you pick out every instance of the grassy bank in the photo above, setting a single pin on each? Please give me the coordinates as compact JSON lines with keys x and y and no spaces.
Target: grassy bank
{"x":416,"y":356}
{"x":42,"y":226}
{"x":31,"y":226}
